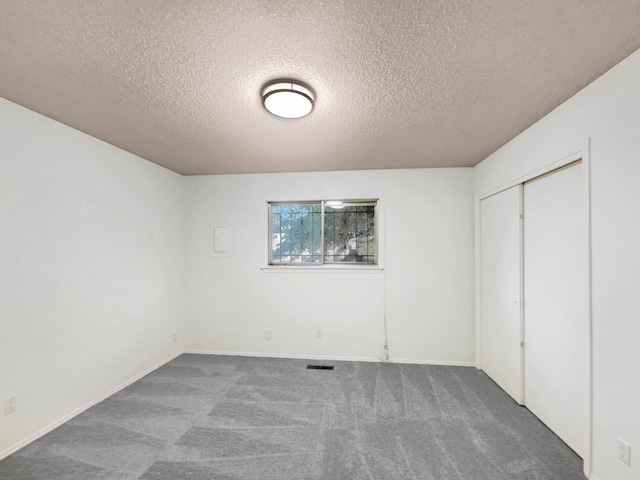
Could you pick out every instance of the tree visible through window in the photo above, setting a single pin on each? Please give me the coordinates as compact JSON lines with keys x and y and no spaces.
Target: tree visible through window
{"x":296,"y":233}
{"x":322,"y":232}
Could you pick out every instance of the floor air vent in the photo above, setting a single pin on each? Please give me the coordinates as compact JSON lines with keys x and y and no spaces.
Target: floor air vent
{"x":319,"y":367}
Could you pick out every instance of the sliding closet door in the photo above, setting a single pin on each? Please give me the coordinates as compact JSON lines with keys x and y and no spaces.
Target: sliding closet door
{"x":500,"y":354}
{"x":556,"y":324}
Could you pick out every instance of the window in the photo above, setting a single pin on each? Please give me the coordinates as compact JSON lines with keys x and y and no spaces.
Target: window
{"x":322,"y":232}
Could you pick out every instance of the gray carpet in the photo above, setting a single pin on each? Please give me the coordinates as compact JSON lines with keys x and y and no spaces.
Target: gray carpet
{"x":206,"y":417}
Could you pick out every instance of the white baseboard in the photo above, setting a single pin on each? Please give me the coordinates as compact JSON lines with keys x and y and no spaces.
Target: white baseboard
{"x":283,"y":355}
{"x":594,"y":477}
{"x":434,"y":362}
{"x":43,"y":431}
{"x":327,"y":357}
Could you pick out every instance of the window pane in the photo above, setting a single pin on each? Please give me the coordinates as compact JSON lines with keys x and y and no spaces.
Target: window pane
{"x":349,"y":233}
{"x":295,"y":233}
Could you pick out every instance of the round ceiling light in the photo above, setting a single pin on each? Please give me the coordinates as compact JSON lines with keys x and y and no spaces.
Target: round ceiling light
{"x":288,"y":99}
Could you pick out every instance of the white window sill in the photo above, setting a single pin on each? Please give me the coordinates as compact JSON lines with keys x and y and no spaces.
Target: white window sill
{"x":323,"y":269}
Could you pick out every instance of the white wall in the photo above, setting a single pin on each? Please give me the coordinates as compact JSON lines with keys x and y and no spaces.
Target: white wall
{"x":427,"y":215}
{"x":607,"y":111}
{"x":91,"y":277}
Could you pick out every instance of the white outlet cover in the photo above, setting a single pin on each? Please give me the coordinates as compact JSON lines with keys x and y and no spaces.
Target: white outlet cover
{"x":624,"y":451}
{"x":9,"y":405}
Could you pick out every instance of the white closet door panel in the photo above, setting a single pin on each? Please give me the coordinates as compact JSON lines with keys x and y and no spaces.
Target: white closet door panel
{"x":500,"y":355}
{"x":556,"y":324}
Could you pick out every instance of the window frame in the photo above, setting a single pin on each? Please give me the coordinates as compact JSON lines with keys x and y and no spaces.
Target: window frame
{"x":322,"y":263}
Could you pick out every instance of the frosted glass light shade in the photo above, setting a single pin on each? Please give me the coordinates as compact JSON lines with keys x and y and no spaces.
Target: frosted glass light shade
{"x":288,"y":99}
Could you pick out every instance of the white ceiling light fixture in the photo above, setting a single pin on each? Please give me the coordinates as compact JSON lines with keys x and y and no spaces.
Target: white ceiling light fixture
{"x":288,"y":99}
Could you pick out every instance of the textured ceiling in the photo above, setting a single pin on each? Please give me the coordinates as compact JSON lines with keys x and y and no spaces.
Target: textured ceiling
{"x":399,"y":84}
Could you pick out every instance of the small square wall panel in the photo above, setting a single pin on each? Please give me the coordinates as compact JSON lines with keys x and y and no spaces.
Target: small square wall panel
{"x":221,"y":239}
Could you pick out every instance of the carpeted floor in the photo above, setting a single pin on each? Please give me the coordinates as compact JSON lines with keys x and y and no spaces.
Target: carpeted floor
{"x":204,"y":417}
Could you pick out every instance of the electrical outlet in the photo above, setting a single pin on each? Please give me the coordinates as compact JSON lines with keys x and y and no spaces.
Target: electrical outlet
{"x":9,"y":404}
{"x":267,"y":334}
{"x":624,"y":451}
{"x":174,"y":338}
{"x":318,"y":333}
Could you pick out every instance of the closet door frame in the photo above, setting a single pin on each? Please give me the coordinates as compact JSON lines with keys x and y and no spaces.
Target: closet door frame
{"x":583,"y":154}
